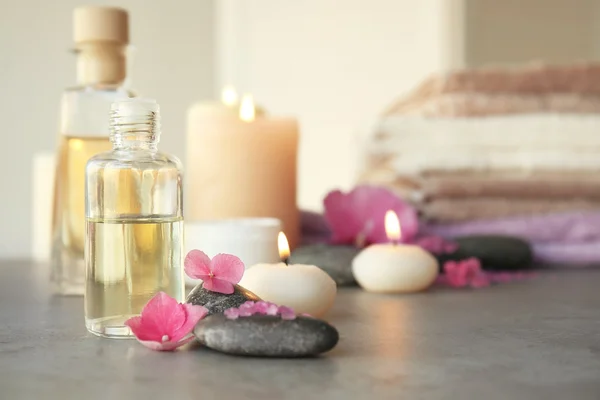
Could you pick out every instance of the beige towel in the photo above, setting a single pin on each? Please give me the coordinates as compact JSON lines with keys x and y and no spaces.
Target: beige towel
{"x":455,"y":210}
{"x":505,"y":184}
{"x":410,"y":145}
{"x":483,"y":104}
{"x":580,"y":78}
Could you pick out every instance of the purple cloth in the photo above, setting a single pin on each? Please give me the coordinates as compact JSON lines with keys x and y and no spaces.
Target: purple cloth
{"x":568,"y":254}
{"x":572,"y":227}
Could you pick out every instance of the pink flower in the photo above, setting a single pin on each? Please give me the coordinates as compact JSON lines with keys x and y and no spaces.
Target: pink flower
{"x":259,"y":308}
{"x":466,"y":273}
{"x":358,"y":217}
{"x":165,"y":324}
{"x":219,"y":274}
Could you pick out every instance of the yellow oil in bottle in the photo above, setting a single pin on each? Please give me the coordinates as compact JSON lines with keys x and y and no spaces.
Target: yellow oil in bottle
{"x":69,"y":210}
{"x":128,"y":261}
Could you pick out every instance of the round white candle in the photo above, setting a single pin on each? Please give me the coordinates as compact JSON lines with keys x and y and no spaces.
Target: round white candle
{"x":253,"y":240}
{"x":304,"y":288}
{"x":394,"y":268}
{"x":239,"y":168}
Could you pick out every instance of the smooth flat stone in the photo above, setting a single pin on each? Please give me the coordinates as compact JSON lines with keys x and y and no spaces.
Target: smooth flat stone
{"x":335,"y":260}
{"x":266,"y":336}
{"x":217,"y":303}
{"x":496,"y":252}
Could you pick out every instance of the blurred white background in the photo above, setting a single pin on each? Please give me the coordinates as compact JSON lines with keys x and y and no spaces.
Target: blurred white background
{"x":333,"y":64}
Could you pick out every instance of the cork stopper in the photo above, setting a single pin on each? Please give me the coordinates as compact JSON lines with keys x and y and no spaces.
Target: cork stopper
{"x":100,"y":24}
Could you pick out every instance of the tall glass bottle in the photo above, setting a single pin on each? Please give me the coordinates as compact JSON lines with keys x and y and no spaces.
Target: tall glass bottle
{"x":101,"y":36}
{"x":134,"y":221}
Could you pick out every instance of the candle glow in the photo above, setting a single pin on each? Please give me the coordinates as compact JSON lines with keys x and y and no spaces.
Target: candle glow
{"x":392,"y":226}
{"x":283,"y":245}
{"x":247,"y":110}
{"x":304,"y":288}
{"x":229,"y":96}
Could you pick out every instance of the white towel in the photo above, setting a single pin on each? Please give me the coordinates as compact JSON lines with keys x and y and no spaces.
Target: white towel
{"x":531,"y":141}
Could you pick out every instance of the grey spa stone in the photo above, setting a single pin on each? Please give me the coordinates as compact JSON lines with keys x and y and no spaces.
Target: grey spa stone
{"x":335,"y":260}
{"x":267,"y":336}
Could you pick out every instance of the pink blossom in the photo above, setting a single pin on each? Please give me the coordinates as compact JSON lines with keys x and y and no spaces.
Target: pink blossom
{"x":232,"y":313}
{"x":357,"y":217}
{"x":466,"y":273}
{"x":165,"y":324}
{"x":219,"y":274}
{"x":286,"y":313}
{"x":259,"y":308}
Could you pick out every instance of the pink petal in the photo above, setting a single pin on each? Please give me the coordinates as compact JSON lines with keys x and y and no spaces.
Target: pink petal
{"x":227,"y":267}
{"x":287,"y":313}
{"x":194,"y":314}
{"x":372,"y":202}
{"x":161,"y":316}
{"x":166,"y":346}
{"x":247,"y":304}
{"x":232,"y":313}
{"x":135,"y":324}
{"x":218,"y":286}
{"x":260,"y":307}
{"x":246,"y":309}
{"x":361,"y":213}
{"x":341,"y":218}
{"x":197,"y":264}
{"x":455,"y":274}
{"x":272,"y":309}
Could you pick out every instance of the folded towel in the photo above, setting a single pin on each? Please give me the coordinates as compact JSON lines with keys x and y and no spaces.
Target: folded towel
{"x":411,"y":145}
{"x":582,"y":78}
{"x":468,"y":209}
{"x":504,"y":184}
{"x":483,"y":104}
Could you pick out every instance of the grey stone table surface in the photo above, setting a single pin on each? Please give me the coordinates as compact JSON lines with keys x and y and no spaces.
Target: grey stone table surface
{"x":538,"y":339}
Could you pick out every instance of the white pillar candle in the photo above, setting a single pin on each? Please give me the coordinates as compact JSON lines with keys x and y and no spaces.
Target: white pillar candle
{"x":238,"y":168}
{"x":304,"y":288}
{"x":394,"y":268}
{"x":253,"y":240}
{"x":42,"y":200}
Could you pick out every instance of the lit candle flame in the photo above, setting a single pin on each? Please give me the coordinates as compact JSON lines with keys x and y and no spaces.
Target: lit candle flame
{"x":284,"y":247}
{"x":392,"y":226}
{"x":247,"y":110}
{"x":229,"y":96}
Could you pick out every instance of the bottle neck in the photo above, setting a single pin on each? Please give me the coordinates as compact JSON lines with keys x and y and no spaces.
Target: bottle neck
{"x":101,"y":63}
{"x":134,"y":131}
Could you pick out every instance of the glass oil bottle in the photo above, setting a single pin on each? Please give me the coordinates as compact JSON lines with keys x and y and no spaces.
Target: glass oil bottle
{"x":134,"y":221}
{"x":101,"y":36}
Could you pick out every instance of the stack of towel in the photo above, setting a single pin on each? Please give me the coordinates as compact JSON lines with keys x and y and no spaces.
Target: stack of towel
{"x":530,"y":88}
{"x":490,"y":146}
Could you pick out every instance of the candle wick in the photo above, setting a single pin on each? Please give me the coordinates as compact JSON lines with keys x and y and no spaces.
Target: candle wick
{"x":286,"y":261}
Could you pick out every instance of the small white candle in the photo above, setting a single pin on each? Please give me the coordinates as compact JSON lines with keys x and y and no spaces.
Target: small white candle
{"x":394,"y":267}
{"x":304,"y":288}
